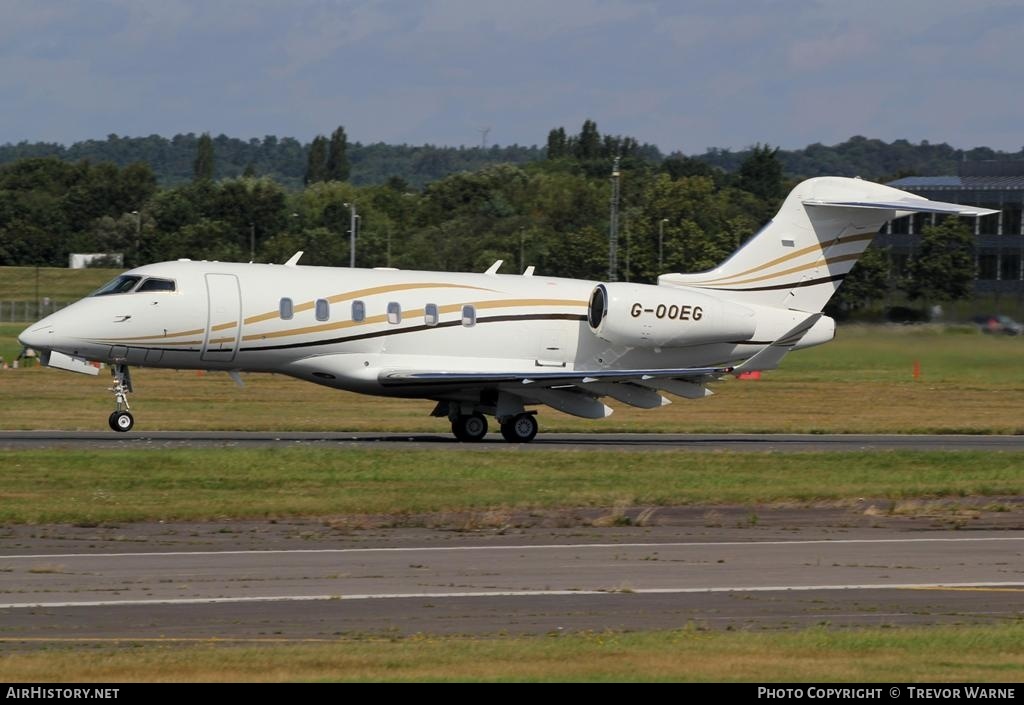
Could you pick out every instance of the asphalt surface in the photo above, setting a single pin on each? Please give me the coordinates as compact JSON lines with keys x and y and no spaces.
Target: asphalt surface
{"x":544,"y":441}
{"x":307,"y":582}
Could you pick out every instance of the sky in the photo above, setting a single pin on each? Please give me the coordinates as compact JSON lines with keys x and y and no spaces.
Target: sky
{"x":685,"y":75}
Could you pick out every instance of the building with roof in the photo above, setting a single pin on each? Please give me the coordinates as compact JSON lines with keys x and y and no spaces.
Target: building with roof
{"x":999,"y":238}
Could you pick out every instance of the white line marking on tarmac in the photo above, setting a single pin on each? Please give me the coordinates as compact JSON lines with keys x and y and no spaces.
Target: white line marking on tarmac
{"x":526,"y":547}
{"x":496,"y":593}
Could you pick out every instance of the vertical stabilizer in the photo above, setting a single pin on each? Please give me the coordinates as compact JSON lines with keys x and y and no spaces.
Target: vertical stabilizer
{"x":801,"y":257}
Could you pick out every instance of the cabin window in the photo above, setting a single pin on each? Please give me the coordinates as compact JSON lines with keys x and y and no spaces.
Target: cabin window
{"x":157,"y":285}
{"x":120,"y":285}
{"x":358,"y":311}
{"x":286,"y":309}
{"x":394,"y":312}
{"x":323,"y":310}
{"x":430,"y":315}
{"x":469,"y":316}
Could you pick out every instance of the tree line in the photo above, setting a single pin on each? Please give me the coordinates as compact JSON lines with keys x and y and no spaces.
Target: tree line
{"x":552,"y":213}
{"x":286,"y":160}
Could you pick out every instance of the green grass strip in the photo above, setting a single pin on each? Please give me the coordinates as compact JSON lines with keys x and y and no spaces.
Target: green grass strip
{"x":976,"y":654}
{"x":117,"y":485}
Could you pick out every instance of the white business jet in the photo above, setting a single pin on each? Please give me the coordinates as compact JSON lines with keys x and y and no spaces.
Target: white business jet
{"x":488,"y":344}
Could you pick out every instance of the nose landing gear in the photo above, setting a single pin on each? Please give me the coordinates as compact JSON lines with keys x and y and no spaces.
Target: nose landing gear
{"x":121,"y":419}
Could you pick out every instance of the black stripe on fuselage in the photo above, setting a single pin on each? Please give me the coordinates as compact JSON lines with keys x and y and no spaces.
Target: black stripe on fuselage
{"x":791,"y":285}
{"x":416,"y":329}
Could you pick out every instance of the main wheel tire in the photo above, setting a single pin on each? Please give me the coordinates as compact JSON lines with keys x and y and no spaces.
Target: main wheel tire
{"x":521,"y":428}
{"x":121,"y":421}
{"x":470,"y":428}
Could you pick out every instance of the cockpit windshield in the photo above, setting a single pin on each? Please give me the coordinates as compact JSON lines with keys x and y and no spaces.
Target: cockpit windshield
{"x":122,"y":285}
{"x":154,"y":284}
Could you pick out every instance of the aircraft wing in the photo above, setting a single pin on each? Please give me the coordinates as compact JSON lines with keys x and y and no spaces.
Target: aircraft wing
{"x":546,"y":378}
{"x":575,"y":392}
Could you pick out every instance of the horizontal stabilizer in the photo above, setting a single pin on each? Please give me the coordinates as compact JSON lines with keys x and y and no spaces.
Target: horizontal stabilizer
{"x":919,"y":205}
{"x":770,"y":357}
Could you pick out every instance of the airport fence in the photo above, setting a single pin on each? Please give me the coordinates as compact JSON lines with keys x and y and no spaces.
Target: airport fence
{"x":28,"y":311}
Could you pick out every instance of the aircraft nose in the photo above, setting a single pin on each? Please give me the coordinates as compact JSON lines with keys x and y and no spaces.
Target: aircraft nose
{"x":38,"y":336}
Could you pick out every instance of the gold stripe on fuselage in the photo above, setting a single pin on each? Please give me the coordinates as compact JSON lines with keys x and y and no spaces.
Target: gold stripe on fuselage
{"x":198,"y":331}
{"x":819,"y":247}
{"x":372,"y":291}
{"x":792,"y":270}
{"x":305,"y":306}
{"x":413,"y":313}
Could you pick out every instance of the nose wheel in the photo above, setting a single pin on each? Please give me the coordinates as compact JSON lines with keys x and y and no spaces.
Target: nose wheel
{"x":121,"y":419}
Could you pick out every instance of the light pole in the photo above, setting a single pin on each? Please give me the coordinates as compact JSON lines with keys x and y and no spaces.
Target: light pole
{"x":138,"y":236}
{"x":661,"y":242}
{"x":613,"y":226}
{"x":352,"y":233}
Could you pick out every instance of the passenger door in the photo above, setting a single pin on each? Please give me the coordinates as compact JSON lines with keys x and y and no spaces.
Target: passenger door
{"x":224,"y":318}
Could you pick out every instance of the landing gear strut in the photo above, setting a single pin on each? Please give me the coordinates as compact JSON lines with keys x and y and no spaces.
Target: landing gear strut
{"x":121,"y":419}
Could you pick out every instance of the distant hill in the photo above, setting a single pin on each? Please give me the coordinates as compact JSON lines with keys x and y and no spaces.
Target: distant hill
{"x":284,"y":159}
{"x":867,"y":158}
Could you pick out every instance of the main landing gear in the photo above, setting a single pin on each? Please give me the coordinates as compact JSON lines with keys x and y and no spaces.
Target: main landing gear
{"x":521,"y":428}
{"x":121,"y":419}
{"x":470,"y":428}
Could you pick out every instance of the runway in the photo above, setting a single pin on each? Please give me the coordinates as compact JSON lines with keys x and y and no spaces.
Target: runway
{"x":266,"y":582}
{"x":545,"y":441}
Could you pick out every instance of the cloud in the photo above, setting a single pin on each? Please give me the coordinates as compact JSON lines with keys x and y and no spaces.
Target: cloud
{"x":677,"y":73}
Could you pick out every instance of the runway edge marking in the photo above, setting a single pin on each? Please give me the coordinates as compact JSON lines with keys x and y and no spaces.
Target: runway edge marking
{"x":499,"y":593}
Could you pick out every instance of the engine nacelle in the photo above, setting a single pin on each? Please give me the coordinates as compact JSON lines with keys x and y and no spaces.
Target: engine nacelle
{"x":645,"y":316}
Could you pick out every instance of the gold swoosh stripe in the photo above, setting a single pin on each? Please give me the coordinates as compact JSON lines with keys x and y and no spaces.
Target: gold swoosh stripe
{"x":306,"y":306}
{"x":340,"y":325}
{"x":792,"y":270}
{"x":372,"y":291}
{"x":124,"y":343}
{"x":413,"y":313}
{"x":198,"y":331}
{"x":793,"y":255}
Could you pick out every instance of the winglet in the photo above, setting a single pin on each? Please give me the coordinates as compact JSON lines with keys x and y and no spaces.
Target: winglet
{"x":528,"y":272}
{"x":770,"y":357}
{"x":294,"y":259}
{"x":493,"y":269}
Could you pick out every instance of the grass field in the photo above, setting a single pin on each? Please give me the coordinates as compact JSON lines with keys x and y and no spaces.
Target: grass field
{"x":860,"y":383}
{"x":964,"y":655}
{"x":130,"y":485}
{"x":59,"y":283}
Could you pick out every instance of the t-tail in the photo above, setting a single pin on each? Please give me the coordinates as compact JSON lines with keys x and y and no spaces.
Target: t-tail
{"x":801,"y":257}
